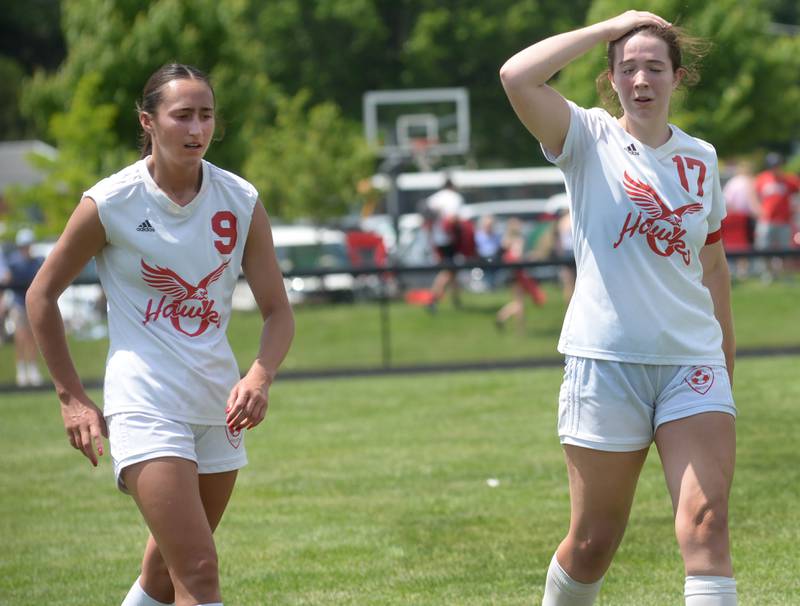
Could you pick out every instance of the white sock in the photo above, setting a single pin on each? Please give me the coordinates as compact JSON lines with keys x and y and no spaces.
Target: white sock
{"x":137,"y":597}
{"x":710,"y":591}
{"x":561,"y":590}
{"x":34,"y":377}
{"x":22,"y":374}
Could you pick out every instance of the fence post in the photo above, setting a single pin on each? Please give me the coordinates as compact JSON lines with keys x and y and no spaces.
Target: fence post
{"x":386,"y":332}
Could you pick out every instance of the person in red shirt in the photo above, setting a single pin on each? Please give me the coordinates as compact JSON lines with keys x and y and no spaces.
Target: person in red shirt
{"x":774,"y":226}
{"x":775,"y":190}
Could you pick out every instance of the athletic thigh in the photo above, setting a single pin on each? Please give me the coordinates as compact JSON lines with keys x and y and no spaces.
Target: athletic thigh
{"x":215,"y":491}
{"x":698,"y":454}
{"x":601,"y":485}
{"x":167,"y":492}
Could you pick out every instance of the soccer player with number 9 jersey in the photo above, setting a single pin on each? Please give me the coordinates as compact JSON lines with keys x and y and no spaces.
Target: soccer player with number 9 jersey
{"x":171,"y":234}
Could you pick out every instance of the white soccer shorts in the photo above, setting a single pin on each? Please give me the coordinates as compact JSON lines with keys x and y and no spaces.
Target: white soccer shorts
{"x":136,"y":437}
{"x":618,"y":406}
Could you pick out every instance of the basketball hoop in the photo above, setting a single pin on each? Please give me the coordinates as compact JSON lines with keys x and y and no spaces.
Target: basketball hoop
{"x":394,"y":119}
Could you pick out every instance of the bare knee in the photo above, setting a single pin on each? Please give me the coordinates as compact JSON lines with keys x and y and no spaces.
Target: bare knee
{"x":702,"y":523}
{"x":154,"y":566}
{"x":156,"y":582}
{"x":198,"y":575}
{"x":702,"y":532}
{"x":589,"y":556}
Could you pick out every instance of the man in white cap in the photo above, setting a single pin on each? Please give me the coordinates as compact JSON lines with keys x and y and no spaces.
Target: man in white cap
{"x":22,"y":267}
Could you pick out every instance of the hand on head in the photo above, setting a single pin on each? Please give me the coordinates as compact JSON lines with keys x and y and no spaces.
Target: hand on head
{"x":621,"y":24}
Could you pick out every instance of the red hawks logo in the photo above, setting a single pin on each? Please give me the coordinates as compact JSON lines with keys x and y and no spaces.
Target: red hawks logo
{"x":188,"y":302}
{"x":662,"y":227}
{"x":234,"y":437}
{"x":700,"y":379}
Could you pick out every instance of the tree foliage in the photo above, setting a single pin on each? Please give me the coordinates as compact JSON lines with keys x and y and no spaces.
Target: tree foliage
{"x":284,"y":69}
{"x":128,"y":42}
{"x":125,"y":43}
{"x":87,"y":150}
{"x":30,"y":33}
{"x":11,"y":123}
{"x":340,"y":49}
{"x":308,"y":163}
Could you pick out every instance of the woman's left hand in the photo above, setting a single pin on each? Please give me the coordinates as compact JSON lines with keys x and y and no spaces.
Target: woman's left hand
{"x":249,"y":399}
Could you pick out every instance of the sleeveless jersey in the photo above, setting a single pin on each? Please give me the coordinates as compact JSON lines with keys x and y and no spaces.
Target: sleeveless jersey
{"x":168,"y":272}
{"x":640,"y":216}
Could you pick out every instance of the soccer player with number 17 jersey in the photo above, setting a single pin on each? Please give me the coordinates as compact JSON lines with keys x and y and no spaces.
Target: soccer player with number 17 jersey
{"x":648,"y":335}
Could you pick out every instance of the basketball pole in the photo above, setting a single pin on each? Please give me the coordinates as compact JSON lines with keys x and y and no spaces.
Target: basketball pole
{"x":391,"y":166}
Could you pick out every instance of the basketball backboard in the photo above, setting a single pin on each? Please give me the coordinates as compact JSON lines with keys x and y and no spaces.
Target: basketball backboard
{"x":413,"y":122}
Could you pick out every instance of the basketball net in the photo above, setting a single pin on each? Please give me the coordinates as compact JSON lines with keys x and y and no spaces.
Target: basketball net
{"x":422,"y":153}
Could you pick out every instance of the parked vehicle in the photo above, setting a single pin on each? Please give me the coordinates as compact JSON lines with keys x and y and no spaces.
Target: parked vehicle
{"x":306,"y":248}
{"x":476,"y":186}
{"x":83,"y":303}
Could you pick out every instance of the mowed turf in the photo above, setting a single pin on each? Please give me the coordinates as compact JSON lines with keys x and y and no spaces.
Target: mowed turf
{"x":374,"y":491}
{"x":342,"y":336}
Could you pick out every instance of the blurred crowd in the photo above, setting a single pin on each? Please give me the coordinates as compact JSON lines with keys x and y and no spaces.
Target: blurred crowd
{"x":763,"y":214}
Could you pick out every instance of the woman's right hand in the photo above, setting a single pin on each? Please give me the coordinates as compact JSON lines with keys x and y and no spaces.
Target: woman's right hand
{"x":85,"y":425}
{"x":620,"y":25}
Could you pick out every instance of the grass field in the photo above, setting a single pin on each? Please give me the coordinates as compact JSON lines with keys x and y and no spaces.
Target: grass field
{"x":373,"y":491}
{"x":350,"y":335}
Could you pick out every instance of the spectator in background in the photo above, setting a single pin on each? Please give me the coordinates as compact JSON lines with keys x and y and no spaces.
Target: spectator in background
{"x":562,"y":248}
{"x":775,"y":190}
{"x":5,"y":278}
{"x":22,"y":268}
{"x":5,"y":274}
{"x":565,"y":250}
{"x":742,"y":207}
{"x":489,"y":246}
{"x":522,"y":284}
{"x":444,"y":207}
{"x":513,"y":249}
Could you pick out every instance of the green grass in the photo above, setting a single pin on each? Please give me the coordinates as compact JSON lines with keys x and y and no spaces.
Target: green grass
{"x":350,"y":335}
{"x":373,"y":491}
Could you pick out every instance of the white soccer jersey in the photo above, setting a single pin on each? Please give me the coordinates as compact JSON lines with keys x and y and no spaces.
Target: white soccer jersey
{"x":168,"y":272}
{"x":639,"y":218}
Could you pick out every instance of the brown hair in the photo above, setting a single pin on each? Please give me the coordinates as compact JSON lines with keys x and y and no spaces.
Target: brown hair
{"x":685,"y":52}
{"x":152,"y":94}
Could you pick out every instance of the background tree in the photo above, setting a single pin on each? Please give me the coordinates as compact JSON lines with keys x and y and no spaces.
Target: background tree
{"x":124,"y":43}
{"x":128,"y":43}
{"x":30,"y":38}
{"x":785,"y":12}
{"x":308,"y":164}
{"x":262,"y":55}
{"x":12,"y":125}
{"x":87,"y":150}
{"x":339,"y":49}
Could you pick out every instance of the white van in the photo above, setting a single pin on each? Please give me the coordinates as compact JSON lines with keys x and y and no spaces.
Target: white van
{"x":83,"y":305}
{"x":476,"y":186}
{"x":303,"y":247}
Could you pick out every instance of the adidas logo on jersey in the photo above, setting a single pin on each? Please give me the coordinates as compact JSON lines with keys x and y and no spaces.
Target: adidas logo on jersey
{"x":631,"y":149}
{"x":145,"y":226}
